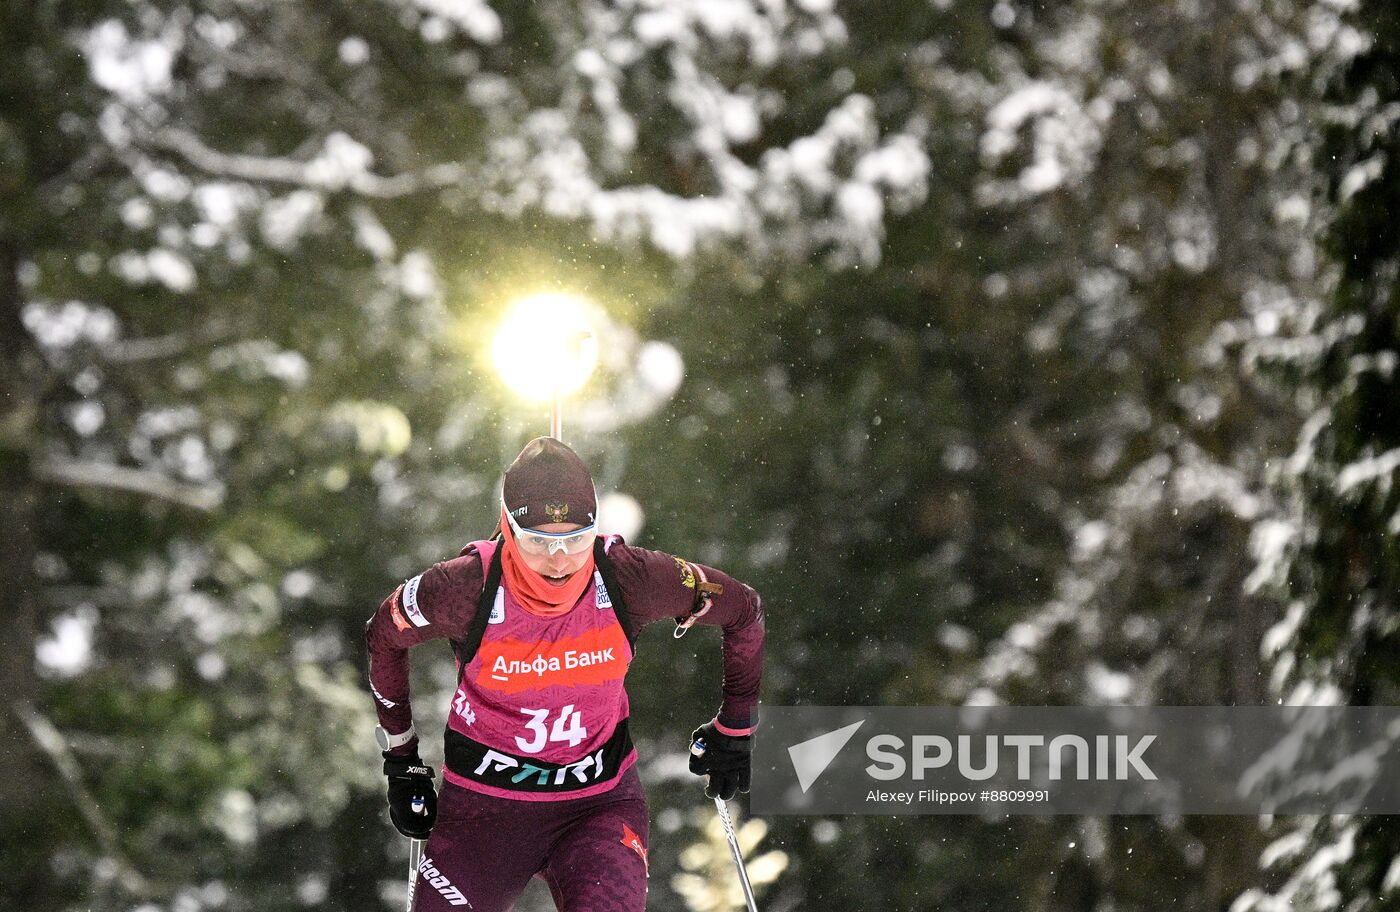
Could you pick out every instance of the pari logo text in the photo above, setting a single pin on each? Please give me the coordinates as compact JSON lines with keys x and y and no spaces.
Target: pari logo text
{"x":494,"y":763}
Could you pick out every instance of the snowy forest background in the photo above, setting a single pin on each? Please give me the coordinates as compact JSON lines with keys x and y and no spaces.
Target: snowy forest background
{"x":1033,"y":351}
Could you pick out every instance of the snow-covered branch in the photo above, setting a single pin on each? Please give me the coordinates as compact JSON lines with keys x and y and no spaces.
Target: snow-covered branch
{"x":51,"y":741}
{"x":121,"y":478}
{"x":342,"y":164}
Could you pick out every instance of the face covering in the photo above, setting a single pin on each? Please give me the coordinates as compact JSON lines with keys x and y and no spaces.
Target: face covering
{"x":531,"y":589}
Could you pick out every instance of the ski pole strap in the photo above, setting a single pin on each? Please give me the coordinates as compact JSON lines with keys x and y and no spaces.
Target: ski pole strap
{"x":705,"y":592}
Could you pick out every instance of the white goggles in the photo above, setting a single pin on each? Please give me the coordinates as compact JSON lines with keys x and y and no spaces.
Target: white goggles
{"x":546,"y":543}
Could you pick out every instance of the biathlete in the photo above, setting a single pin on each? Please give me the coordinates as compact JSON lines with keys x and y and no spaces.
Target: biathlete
{"x":539,"y":774}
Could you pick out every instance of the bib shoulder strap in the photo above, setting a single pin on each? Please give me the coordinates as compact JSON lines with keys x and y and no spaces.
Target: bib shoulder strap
{"x":619,"y":604}
{"x":466,"y":647}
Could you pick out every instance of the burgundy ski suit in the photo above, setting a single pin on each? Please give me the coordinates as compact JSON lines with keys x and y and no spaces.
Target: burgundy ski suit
{"x":539,"y":774}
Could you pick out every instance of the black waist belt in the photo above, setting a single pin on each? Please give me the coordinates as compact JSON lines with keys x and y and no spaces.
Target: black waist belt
{"x":502,"y":769}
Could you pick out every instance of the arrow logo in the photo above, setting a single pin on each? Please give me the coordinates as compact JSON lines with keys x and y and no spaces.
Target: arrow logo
{"x":811,"y":757}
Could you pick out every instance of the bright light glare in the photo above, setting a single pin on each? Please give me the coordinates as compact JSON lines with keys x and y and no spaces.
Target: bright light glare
{"x":545,"y":347}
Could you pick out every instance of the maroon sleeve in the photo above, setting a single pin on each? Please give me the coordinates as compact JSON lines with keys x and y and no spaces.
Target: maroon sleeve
{"x":439,"y":602}
{"x":656,"y":585}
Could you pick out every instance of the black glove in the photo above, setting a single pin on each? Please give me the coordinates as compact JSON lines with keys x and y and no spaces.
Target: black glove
{"x":412,"y":801}
{"x":724,"y":759}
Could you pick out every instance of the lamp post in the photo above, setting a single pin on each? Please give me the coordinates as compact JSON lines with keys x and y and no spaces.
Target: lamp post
{"x":545,"y":349}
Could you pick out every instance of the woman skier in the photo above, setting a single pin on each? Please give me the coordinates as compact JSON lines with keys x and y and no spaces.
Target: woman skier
{"x":539,"y":773}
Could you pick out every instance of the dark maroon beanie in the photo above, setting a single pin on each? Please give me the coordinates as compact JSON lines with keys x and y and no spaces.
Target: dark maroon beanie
{"x":548,"y":483}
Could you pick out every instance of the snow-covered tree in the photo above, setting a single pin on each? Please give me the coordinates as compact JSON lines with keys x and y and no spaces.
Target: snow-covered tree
{"x":1334,"y":551}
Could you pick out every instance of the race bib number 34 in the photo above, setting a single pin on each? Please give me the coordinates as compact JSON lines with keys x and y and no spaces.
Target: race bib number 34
{"x":568,"y":728}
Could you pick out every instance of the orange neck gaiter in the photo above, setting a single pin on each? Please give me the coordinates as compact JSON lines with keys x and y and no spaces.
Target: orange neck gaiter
{"x":533,"y":591}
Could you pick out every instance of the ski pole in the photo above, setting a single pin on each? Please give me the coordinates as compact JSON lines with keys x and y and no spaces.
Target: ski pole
{"x":723,"y":809}
{"x":697,"y":748}
{"x":415,"y":856}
